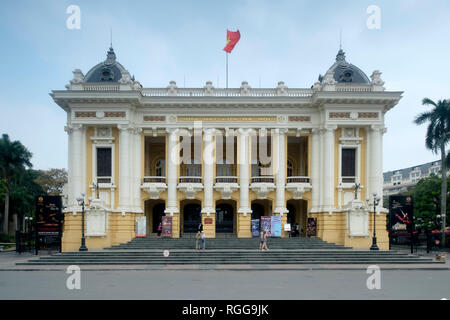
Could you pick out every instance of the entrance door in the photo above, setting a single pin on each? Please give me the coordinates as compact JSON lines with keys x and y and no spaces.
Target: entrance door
{"x":224,"y":218}
{"x":257,"y":211}
{"x":192,"y":217}
{"x":158,"y":213}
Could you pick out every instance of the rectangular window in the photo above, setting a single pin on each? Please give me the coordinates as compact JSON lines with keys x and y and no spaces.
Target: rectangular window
{"x":104,"y":165}
{"x":348,"y":165}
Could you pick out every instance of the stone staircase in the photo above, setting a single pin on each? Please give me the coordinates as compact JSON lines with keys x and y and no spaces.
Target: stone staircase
{"x":227,"y":251}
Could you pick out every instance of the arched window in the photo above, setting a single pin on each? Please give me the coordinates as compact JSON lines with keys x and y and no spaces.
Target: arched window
{"x":160,"y":168}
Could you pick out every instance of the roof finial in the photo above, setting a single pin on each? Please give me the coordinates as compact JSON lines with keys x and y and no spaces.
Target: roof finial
{"x":110,"y":36}
{"x":340,"y":40}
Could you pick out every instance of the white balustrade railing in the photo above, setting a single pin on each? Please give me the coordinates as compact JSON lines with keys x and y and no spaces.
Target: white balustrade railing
{"x":226,"y":179}
{"x":190,"y":179}
{"x":155,"y":179}
{"x":100,"y":87}
{"x":298,"y":180}
{"x":262,"y":179}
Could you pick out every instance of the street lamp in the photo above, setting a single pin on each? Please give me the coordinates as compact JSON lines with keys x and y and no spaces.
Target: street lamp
{"x":80,"y":201}
{"x":376,"y":200}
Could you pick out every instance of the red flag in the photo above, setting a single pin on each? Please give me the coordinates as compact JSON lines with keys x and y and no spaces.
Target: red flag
{"x":232,"y":40}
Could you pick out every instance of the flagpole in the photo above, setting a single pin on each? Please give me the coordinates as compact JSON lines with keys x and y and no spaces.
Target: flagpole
{"x":227,"y":68}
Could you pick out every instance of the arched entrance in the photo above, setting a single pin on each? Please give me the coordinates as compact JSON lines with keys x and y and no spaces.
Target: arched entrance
{"x":257,"y":211}
{"x":291,"y":215}
{"x":157,"y":213}
{"x":191,"y":217}
{"x":224,"y":218}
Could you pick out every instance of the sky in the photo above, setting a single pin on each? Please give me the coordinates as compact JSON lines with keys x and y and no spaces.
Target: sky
{"x":160,"y":41}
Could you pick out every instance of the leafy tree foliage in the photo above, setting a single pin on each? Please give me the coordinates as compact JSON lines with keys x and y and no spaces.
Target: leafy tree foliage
{"x":52,"y":181}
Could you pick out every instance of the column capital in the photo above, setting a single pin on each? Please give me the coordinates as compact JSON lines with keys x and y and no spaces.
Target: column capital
{"x":245,"y":132}
{"x":209,"y":131}
{"x":124,"y":127}
{"x":378,"y":128}
{"x":72,"y":127}
{"x":329,"y":128}
{"x":172,"y":130}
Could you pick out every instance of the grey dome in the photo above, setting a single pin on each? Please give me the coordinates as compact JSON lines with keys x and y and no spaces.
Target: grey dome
{"x":344,"y":72}
{"x":108,"y":71}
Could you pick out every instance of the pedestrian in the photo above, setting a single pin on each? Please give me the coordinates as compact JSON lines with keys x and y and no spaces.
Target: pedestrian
{"x":203,"y":235}
{"x":159,"y":229}
{"x":198,"y":238}
{"x":261,"y":238}
{"x":264,"y":245}
{"x":200,"y":227}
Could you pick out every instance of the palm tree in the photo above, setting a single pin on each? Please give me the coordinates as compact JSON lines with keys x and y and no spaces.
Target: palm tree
{"x":14,"y":157}
{"x":438,"y":136}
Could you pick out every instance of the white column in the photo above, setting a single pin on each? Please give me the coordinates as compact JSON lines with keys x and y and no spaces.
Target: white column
{"x":376,"y":165}
{"x":328,"y":169}
{"x":137,"y":154}
{"x":244,"y":206}
{"x":281,"y":172}
{"x":124,"y":168}
{"x":315,"y":170}
{"x":172,"y":164}
{"x":76,"y":164}
{"x":367,"y":185}
{"x":208,"y":172}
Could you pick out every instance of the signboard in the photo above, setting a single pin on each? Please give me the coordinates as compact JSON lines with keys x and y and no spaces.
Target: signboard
{"x":166,"y":227}
{"x":287,"y":227}
{"x":48,"y":215}
{"x":255,"y":228}
{"x":311,"y":227}
{"x":275,"y":226}
{"x":208,"y":220}
{"x":141,"y":227}
{"x":48,"y":221}
{"x":265,"y":225}
{"x":401,"y":214}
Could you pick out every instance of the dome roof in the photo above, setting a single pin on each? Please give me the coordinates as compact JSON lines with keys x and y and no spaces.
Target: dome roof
{"x":344,"y":72}
{"x":108,"y":71}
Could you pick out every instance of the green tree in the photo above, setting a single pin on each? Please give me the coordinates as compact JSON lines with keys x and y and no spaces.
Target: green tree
{"x":52,"y":181}
{"x":437,"y":137}
{"x":427,"y":205}
{"x":14,"y":158}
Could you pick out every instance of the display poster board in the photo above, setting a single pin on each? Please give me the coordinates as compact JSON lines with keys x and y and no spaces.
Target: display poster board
{"x":255,"y":228}
{"x":49,"y":219}
{"x":141,"y":227}
{"x":287,"y":227}
{"x":401,"y":214}
{"x":311,"y":227}
{"x":265,"y":225}
{"x":275,"y":226}
{"x":166,"y":227}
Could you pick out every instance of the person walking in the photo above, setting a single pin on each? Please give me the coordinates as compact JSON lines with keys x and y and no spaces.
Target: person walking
{"x":200,"y":227}
{"x":261,"y":239}
{"x":198,"y":238}
{"x":203,"y":236}
{"x":264,"y":244}
{"x":159,"y":230}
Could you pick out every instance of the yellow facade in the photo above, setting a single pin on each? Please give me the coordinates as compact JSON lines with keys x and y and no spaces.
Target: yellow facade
{"x":330,"y":228}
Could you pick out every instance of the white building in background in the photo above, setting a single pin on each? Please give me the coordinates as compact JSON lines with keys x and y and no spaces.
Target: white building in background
{"x":398,"y":181}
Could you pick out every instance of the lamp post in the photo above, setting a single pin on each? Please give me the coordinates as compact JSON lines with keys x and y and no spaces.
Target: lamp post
{"x":83,"y":240}
{"x":376,"y":200}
